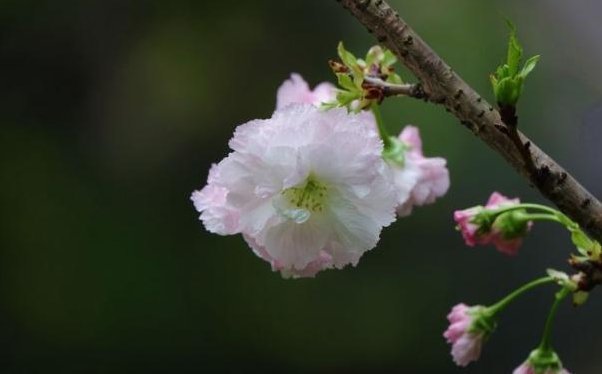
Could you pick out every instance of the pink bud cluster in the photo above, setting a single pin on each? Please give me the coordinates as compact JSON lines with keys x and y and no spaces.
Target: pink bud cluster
{"x":481,"y":232}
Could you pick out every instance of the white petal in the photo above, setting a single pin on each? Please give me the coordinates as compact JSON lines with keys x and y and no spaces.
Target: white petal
{"x":296,"y":245}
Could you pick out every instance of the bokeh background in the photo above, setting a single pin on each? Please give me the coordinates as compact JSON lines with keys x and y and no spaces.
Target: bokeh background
{"x":111,"y":113}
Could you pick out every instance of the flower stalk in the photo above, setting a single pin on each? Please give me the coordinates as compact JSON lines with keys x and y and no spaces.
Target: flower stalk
{"x":503,"y":303}
{"x":546,"y":344}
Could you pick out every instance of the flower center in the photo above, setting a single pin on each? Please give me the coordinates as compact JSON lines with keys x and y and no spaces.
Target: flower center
{"x":311,"y":196}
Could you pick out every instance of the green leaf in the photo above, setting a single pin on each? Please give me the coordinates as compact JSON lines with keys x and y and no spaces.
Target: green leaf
{"x":581,"y":241}
{"x":502,"y":71}
{"x":529,"y":66}
{"x":394,"y":78}
{"x":329,"y":105}
{"x":374,"y":55}
{"x":389,"y":58}
{"x":345,"y":81}
{"x":586,"y":246}
{"x":347,"y":57}
{"x":358,"y":76}
{"x":580,"y":297}
{"x":346,"y":97}
{"x":515,"y":51}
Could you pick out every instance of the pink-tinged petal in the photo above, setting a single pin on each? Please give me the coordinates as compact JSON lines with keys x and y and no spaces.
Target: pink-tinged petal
{"x":405,"y":179}
{"x":468,"y":229}
{"x":467,"y":349}
{"x":323,"y":93}
{"x":525,"y":368}
{"x":456,"y":330}
{"x":458,"y":313}
{"x":497,"y":199}
{"x":323,"y":261}
{"x":295,"y":245}
{"x":216,"y":215}
{"x":295,"y":90}
{"x":410,"y":135}
{"x":421,"y":180}
{"x":507,"y":246}
{"x":459,"y":320}
{"x":433,"y":182}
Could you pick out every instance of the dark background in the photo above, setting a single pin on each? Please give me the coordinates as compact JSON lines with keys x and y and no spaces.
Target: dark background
{"x":111,"y":113}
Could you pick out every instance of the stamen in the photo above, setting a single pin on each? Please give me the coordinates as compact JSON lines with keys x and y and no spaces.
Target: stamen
{"x":310,"y":196}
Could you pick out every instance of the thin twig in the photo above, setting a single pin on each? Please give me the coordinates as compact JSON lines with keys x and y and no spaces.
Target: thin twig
{"x":443,"y":86}
{"x":391,"y":89}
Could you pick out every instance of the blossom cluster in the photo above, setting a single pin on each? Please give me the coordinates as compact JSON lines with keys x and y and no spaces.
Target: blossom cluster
{"x":471,"y":326}
{"x":309,"y":188}
{"x":504,"y":222}
{"x":480,"y":225}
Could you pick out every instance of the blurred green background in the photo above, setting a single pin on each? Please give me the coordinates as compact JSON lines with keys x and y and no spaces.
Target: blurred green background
{"x":111,"y":113}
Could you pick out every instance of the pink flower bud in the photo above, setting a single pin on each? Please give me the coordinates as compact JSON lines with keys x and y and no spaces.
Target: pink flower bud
{"x":504,"y":231}
{"x":527,"y":368}
{"x":541,"y":361}
{"x":465,"y":336}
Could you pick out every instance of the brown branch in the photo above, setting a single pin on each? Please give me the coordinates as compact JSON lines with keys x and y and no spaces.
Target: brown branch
{"x":589,"y":274}
{"x":443,"y":86}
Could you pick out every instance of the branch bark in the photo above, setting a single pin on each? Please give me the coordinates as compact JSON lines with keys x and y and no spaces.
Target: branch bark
{"x":441,"y":85}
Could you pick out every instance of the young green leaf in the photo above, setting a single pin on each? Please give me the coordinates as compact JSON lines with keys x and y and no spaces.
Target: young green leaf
{"x":389,"y":58}
{"x":580,"y":297}
{"x":529,"y":66}
{"x":345,"y":81}
{"x":347,"y":57}
{"x":515,"y":51}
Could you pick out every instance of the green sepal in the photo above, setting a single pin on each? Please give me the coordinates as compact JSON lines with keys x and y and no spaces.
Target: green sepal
{"x":511,"y":224}
{"x":345,"y":81}
{"x":347,"y":57}
{"x":394,"y":79}
{"x":345,"y":98}
{"x":562,"y":279}
{"x":483,"y":320}
{"x":580,"y":297}
{"x":585,"y":245}
{"x":543,"y":360}
{"x":395,"y":151}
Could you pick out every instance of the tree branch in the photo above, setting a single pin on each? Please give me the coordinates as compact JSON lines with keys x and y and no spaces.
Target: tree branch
{"x":441,"y":85}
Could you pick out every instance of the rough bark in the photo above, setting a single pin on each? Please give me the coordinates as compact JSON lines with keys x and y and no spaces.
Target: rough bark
{"x":441,"y":85}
